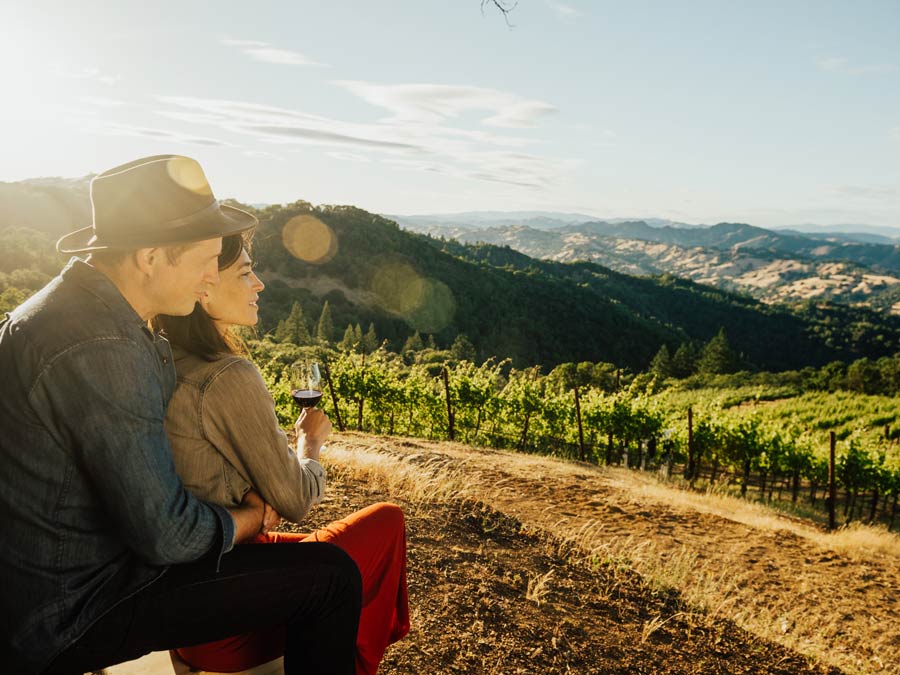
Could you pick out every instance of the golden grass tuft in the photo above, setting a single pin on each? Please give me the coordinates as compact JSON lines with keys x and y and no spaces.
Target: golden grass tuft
{"x":538,"y":587}
{"x":420,"y":479}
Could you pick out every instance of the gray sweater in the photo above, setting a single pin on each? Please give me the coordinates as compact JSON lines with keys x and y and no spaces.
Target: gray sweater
{"x":225,"y":438}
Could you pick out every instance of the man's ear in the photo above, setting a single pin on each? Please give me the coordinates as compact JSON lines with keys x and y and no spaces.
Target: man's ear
{"x":147,"y":260}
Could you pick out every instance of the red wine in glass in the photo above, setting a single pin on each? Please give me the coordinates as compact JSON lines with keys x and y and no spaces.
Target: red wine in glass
{"x":305,"y":384}
{"x":306,"y":398}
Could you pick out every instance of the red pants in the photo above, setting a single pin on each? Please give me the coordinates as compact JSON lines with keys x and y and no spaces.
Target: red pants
{"x":375,"y":538}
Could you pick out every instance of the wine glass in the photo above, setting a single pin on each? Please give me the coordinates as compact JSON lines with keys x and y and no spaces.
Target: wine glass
{"x":306,"y":384}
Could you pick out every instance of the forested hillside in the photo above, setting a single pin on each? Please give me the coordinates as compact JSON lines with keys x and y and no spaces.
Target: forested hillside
{"x":506,"y":304}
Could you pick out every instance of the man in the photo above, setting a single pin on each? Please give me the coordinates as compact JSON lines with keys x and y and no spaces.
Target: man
{"x":104,"y":556}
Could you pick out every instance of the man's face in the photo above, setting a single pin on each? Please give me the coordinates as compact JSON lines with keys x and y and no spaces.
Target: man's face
{"x":178,"y":286}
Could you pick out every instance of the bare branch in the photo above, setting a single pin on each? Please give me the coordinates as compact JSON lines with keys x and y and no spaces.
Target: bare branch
{"x":504,"y":6}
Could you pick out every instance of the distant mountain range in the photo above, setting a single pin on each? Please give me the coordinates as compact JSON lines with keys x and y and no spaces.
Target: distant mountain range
{"x":543,"y":220}
{"x":550,"y":220}
{"x":772,"y":265}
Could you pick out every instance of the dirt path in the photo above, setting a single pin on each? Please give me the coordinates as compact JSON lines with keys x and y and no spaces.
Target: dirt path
{"x":775,"y":581}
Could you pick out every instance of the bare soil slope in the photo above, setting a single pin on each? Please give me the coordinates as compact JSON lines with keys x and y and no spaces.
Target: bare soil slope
{"x":523,"y":564}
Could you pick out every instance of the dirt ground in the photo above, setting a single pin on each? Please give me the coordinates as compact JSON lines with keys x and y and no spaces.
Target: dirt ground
{"x":525,"y":571}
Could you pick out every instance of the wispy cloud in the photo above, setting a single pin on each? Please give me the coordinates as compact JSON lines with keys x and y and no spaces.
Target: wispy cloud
{"x":116,"y":129}
{"x":563,"y":10}
{"x":436,"y":103}
{"x":91,"y":74}
{"x":103,"y":101}
{"x":266,"y":53}
{"x":869,"y":192}
{"x":839,"y":64}
{"x":281,"y":125}
{"x":422,"y":132}
{"x":262,"y":154}
{"x":348,"y":157}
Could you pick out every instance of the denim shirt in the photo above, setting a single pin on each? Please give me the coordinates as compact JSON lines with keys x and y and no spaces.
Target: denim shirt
{"x":91,"y":507}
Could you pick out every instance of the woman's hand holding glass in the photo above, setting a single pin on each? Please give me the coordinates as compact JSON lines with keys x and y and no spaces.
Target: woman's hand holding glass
{"x":313,"y":428}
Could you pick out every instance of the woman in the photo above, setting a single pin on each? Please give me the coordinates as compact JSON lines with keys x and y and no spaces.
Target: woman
{"x":227,"y":442}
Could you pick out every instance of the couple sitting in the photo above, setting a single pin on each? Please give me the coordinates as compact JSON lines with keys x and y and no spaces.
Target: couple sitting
{"x":125,"y":491}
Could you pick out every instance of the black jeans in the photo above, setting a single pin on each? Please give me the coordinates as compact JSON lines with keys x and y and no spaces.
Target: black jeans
{"x":313,"y":589}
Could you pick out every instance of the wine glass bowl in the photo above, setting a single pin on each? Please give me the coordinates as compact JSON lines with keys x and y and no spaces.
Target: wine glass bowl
{"x":306,"y":384}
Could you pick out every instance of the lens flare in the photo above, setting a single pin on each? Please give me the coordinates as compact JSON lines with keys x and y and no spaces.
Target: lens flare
{"x":436,"y":310}
{"x":188,"y":174}
{"x":309,"y":239}
{"x":426,"y":304}
{"x":399,"y":287}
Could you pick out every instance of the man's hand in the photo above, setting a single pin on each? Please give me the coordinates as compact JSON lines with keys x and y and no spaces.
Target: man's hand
{"x":253,"y":500}
{"x":271,"y":518}
{"x":249,"y":517}
{"x":313,"y":428}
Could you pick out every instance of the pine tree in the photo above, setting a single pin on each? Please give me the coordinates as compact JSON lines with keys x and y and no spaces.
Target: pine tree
{"x":370,"y":340}
{"x":325,"y":327}
{"x":717,"y":356}
{"x":684,"y":362}
{"x":462,"y":349}
{"x":661,"y":366}
{"x":431,"y":343}
{"x":413,"y":343}
{"x":348,"y":342}
{"x":293,"y":328}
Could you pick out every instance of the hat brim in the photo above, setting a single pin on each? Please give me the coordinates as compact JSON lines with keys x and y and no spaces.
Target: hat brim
{"x":224,"y":221}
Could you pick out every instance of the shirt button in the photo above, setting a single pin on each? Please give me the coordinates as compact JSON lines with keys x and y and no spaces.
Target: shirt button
{"x":166,"y":360}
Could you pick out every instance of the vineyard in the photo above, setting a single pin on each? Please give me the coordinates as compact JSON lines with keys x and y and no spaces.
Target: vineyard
{"x":759,"y":442}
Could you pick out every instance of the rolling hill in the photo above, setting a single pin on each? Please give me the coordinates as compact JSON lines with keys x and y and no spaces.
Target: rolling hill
{"x":508,"y":304}
{"x":773,"y":266}
{"x":539,"y":311}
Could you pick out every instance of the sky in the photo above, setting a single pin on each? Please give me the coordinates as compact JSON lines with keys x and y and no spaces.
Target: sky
{"x":770,"y":113}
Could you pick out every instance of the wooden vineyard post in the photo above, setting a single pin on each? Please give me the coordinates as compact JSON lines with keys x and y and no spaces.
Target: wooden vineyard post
{"x":832,"y":492}
{"x":580,"y":428}
{"x":446,"y":377}
{"x":689,"y":474}
{"x":334,"y":401}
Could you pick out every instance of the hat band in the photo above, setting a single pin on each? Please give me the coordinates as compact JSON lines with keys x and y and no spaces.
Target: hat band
{"x":193,"y":217}
{"x":185,"y":230}
{"x":170,"y":230}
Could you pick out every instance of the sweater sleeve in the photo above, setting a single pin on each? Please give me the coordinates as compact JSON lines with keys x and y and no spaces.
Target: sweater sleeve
{"x":238,"y":418}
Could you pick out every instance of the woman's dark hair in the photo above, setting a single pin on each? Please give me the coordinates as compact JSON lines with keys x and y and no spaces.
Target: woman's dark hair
{"x":196,"y":333}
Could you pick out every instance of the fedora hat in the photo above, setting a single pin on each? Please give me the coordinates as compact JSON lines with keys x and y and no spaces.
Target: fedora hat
{"x":154,"y":201}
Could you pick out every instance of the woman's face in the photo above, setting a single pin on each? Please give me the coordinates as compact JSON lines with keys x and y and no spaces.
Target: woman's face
{"x":233,"y":300}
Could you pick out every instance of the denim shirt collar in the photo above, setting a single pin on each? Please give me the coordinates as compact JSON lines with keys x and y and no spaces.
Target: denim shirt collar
{"x":98,"y":284}
{"x":95,"y":282}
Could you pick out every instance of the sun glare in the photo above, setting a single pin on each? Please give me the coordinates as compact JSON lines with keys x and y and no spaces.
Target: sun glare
{"x":189,"y":175}
{"x":309,"y":239}
{"x":32,"y":96}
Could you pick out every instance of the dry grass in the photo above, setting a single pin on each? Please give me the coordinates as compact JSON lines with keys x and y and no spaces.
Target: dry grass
{"x":420,"y":479}
{"x":857,"y":541}
{"x":716,"y":582}
{"x":654,"y":624}
{"x":538,"y":587}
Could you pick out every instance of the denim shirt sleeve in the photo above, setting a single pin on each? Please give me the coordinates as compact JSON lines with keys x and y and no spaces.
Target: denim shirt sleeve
{"x":104,"y":408}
